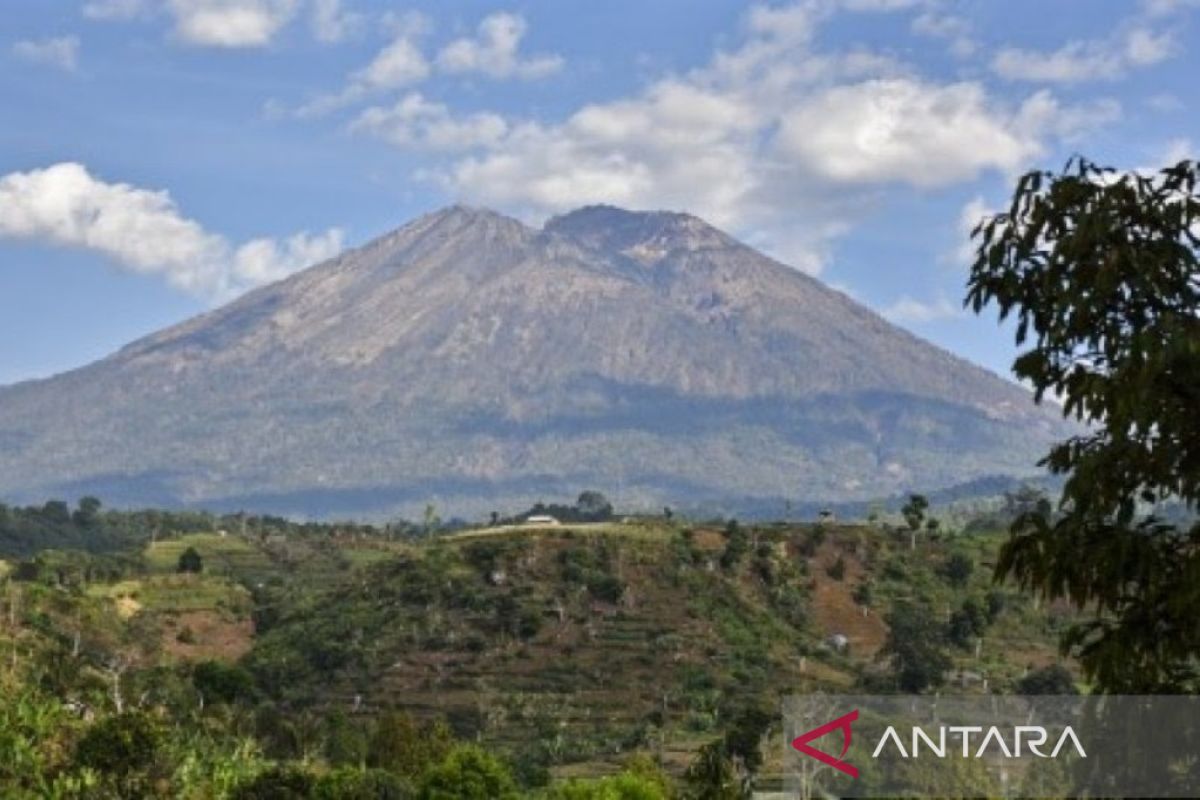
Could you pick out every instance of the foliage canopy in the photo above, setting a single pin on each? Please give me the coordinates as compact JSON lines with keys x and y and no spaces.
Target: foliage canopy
{"x":1100,"y":271}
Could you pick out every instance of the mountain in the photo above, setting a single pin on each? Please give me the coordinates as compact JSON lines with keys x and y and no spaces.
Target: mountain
{"x":471,"y":361}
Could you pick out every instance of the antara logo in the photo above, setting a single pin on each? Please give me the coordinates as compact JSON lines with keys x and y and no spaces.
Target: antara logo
{"x":843,"y":724}
{"x":1033,"y":737}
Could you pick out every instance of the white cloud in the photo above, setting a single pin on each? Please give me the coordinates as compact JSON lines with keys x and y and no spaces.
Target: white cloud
{"x":265,"y":260}
{"x":402,"y":64}
{"x":1042,"y":114}
{"x":1081,"y":61}
{"x":399,"y":64}
{"x":902,"y":130}
{"x":495,"y":51}
{"x":142,"y":230}
{"x":1144,"y":47}
{"x":61,"y":52}
{"x":909,"y":310}
{"x":230,"y":23}
{"x":1163,"y":8}
{"x":953,"y":29}
{"x":1178,"y":150}
{"x":975,"y":211}
{"x":331,"y":23}
{"x":414,"y":122}
{"x":115,"y":9}
{"x":784,"y":145}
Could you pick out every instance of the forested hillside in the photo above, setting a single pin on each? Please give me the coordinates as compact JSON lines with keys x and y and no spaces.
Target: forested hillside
{"x":651,"y":651}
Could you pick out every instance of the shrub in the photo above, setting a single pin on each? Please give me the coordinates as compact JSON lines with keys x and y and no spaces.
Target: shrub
{"x":957,"y":569}
{"x":277,"y":783}
{"x":838,"y":570}
{"x":356,"y":784}
{"x":1055,"y":679}
{"x":120,"y":745}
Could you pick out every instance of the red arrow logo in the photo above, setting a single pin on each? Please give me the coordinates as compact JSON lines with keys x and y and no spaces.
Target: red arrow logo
{"x":801,"y":743}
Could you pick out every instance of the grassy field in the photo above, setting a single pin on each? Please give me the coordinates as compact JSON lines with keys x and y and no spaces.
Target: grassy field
{"x":175,"y":594}
{"x":223,"y":555}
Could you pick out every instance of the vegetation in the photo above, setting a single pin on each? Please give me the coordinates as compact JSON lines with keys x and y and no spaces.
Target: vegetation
{"x":345,"y":661}
{"x":1101,"y":272}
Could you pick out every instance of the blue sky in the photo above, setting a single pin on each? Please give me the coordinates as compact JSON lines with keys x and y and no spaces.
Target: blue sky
{"x":158,"y":157}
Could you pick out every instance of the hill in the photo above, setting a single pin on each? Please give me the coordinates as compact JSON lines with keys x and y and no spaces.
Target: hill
{"x":470,"y":360}
{"x":565,"y":649}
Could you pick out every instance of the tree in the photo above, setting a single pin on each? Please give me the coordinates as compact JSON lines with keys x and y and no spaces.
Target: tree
{"x":593,"y":506}
{"x":915,"y":644}
{"x":864,"y":593}
{"x":190,"y":561}
{"x":736,"y":545}
{"x":744,"y":737}
{"x":1100,"y":270}
{"x":222,"y":683}
{"x":712,"y":775}
{"x":283,"y":782}
{"x":120,"y":746}
{"x":914,"y":516}
{"x":967,"y":623}
{"x":468,"y":773}
{"x":1024,"y":500}
{"x":88,"y":512}
{"x":403,"y":746}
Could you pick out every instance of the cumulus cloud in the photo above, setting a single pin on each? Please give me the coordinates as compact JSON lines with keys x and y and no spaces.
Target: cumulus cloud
{"x":331,"y":23}
{"x":414,"y":122}
{"x":400,"y":63}
{"x":230,"y":23}
{"x":780,"y":142}
{"x":61,"y":52}
{"x":143,"y":231}
{"x":1042,"y":114}
{"x":902,"y":130}
{"x":955,"y":30}
{"x":1080,"y":61}
{"x":494,"y":51}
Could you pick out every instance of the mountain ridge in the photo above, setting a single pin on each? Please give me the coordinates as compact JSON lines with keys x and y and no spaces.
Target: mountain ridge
{"x":476,"y":360}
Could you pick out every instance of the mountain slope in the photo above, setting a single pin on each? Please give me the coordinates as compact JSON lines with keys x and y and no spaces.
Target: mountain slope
{"x":469,"y":359}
